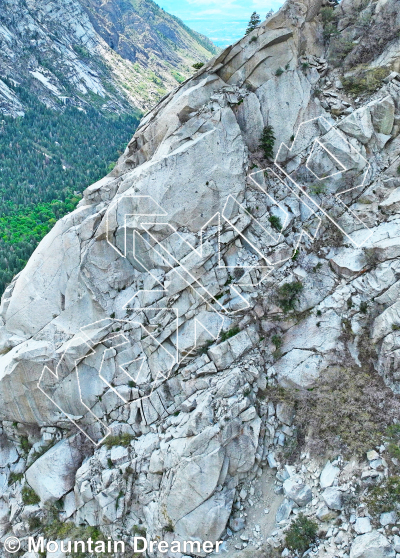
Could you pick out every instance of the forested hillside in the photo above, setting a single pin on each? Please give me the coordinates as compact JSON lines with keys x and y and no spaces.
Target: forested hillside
{"x":75,"y":77}
{"x":46,"y":159}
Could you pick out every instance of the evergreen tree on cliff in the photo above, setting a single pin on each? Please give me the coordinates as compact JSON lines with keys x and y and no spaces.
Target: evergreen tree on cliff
{"x":254,"y":22}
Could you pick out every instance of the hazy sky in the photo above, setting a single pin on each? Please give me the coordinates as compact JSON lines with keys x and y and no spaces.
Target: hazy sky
{"x":224,"y":21}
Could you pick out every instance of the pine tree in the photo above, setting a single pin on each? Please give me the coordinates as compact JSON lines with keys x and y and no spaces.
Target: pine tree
{"x":254,"y":22}
{"x":267,"y":142}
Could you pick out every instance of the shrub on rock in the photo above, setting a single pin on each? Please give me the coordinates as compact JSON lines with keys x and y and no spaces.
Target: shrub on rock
{"x":301,"y":534}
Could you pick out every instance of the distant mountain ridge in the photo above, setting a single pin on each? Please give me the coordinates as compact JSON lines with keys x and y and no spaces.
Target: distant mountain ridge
{"x":121,"y":23}
{"x":110,"y":55}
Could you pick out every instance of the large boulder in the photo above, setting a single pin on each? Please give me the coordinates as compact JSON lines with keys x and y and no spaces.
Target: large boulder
{"x":333,"y":498}
{"x":372,"y":545}
{"x":358,"y":125}
{"x":53,"y":474}
{"x":328,"y":475}
{"x":295,"y":489}
{"x":298,"y":369}
{"x":209,"y":520}
{"x":348,"y":262}
{"x":382,"y":113}
{"x":193,"y":483}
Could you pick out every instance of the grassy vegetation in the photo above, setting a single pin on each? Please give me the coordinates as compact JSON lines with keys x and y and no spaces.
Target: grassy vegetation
{"x":327,"y":14}
{"x":393,"y":439}
{"x":123,"y":439}
{"x":288,"y":295}
{"x":203,"y":350}
{"x":340,"y":48}
{"x":345,"y":401}
{"x":363,"y":307}
{"x":275,"y":222}
{"x":365,"y":81}
{"x":81,"y":51}
{"x":278,"y":342}
{"x":179,"y":77}
{"x":371,"y":256}
{"x":25,"y":445}
{"x":384,"y":497}
{"x":139,"y":531}
{"x":29,"y":496}
{"x":296,"y":254}
{"x":15,"y":477}
{"x":57,"y":530}
{"x":329,"y":30}
{"x":318,"y":188}
{"x":120,"y":495}
{"x":34,"y":523}
{"x":230,"y":333}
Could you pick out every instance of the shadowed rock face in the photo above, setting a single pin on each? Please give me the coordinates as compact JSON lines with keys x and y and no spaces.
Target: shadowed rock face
{"x":199,"y":280}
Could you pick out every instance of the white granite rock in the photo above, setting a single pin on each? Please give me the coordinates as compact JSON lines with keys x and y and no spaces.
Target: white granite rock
{"x":53,"y":474}
{"x":328,"y":475}
{"x":371,"y":545}
{"x":295,"y":489}
{"x":333,"y":498}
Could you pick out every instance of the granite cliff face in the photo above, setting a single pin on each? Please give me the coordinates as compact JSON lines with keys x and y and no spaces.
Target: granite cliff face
{"x":110,"y":55}
{"x":208,"y":345}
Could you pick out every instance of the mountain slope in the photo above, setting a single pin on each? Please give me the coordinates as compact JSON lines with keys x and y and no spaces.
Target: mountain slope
{"x":64,"y":53}
{"x":140,"y":31}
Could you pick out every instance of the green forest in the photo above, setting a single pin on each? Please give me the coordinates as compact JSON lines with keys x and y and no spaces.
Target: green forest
{"x":47,"y":158}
